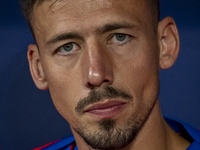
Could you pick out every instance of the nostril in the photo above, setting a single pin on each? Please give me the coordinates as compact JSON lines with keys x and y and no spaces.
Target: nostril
{"x":89,"y":84}
{"x":92,"y":86}
{"x":106,"y":81}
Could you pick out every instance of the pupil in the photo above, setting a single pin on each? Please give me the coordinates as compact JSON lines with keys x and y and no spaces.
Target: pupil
{"x":120,"y":37}
{"x":68,"y":47}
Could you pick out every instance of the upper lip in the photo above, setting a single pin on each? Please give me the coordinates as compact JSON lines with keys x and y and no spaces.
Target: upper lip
{"x":104,"y":105}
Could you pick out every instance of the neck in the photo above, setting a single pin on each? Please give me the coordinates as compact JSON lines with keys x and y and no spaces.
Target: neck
{"x":155,"y":134}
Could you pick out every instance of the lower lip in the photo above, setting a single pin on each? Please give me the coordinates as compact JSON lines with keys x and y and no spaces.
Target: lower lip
{"x":107,"y":113}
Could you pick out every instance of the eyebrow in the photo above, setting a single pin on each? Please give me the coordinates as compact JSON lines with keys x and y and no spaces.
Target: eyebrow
{"x":114,"y":26}
{"x":64,"y":36}
{"x":99,"y":30}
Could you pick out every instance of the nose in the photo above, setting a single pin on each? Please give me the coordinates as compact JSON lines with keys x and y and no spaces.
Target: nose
{"x":98,"y":68}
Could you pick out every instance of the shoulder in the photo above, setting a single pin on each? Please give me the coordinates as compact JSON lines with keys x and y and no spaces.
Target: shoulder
{"x":65,"y":144}
{"x":189,"y":133}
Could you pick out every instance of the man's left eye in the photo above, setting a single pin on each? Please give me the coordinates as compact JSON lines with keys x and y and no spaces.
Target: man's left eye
{"x":119,"y":39}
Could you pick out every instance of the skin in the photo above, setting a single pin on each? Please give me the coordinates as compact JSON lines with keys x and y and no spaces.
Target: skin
{"x":99,"y":59}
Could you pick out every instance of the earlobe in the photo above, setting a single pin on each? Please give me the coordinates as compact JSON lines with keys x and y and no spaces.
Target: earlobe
{"x":35,"y":66}
{"x":169,"y":42}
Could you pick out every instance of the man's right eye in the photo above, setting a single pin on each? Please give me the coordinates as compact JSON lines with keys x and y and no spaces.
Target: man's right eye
{"x":68,"y":48}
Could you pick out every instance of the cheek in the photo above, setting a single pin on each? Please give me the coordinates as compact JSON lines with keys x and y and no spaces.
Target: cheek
{"x":139,"y":75}
{"x":63,"y":89}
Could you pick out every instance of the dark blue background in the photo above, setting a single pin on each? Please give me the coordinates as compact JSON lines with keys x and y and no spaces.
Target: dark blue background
{"x":28,"y":118}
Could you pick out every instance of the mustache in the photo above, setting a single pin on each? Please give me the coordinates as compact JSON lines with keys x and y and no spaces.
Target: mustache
{"x":96,"y":96}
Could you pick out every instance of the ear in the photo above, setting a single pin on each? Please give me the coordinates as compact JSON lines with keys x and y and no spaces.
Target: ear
{"x":169,"y":42}
{"x":35,"y":66}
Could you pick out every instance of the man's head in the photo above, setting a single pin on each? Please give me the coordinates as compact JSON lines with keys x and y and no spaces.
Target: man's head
{"x":100,"y":61}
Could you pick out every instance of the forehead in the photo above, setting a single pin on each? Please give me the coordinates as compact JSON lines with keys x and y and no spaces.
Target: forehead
{"x":86,"y":5}
{"x":82,"y":7}
{"x":79,"y":5}
{"x":56,"y":14}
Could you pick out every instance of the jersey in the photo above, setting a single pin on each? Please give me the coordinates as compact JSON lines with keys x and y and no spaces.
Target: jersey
{"x":186,"y":131}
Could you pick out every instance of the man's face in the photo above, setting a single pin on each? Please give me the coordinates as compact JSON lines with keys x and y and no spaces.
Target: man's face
{"x":100,"y":59}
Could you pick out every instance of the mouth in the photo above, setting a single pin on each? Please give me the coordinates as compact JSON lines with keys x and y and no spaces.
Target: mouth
{"x":106,"y":110}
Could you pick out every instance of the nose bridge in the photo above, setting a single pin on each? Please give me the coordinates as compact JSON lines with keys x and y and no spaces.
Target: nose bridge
{"x":96,"y":57}
{"x":98,"y":69}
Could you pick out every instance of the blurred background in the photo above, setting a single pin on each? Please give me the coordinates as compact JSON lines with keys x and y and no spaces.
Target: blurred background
{"x":28,"y":118}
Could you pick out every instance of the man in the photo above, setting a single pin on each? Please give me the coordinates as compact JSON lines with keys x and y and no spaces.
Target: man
{"x":100,"y":59}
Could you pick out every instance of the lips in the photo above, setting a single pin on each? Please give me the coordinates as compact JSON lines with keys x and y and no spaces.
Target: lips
{"x":105,"y":110}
